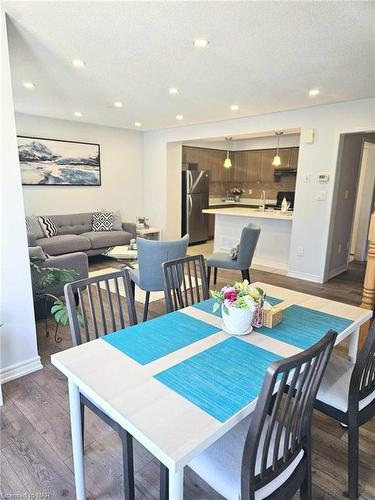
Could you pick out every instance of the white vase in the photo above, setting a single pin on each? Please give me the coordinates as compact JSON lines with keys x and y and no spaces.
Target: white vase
{"x":237,"y":321}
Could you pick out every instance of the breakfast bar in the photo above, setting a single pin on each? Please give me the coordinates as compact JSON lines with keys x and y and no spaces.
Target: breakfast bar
{"x":274,"y":240}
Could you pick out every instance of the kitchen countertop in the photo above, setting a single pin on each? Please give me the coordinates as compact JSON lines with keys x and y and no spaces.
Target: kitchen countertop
{"x":215,"y":202}
{"x":250,"y":212}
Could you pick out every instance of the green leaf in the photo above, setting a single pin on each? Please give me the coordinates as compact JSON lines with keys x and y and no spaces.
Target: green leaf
{"x":225,"y":309}
{"x":215,"y":307}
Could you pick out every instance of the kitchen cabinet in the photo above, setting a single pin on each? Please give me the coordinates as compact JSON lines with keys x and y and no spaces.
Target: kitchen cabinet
{"x":293,"y":157}
{"x":247,"y":166}
{"x":267,"y":170}
{"x":190,"y":154}
{"x":209,"y":159}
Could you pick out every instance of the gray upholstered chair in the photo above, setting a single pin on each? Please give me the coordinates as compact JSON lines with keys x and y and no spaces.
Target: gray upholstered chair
{"x":247,"y":245}
{"x":151,"y":255}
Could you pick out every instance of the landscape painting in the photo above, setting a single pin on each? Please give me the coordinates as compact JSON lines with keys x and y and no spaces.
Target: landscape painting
{"x":59,"y":163}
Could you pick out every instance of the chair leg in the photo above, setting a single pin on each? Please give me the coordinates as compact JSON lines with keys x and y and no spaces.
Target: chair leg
{"x":215,"y":275}
{"x":128,"y":464}
{"x":145,"y":310}
{"x":306,"y":486}
{"x":353,"y":457}
{"x":245,"y":274}
{"x":83,"y":424}
{"x":208,"y":276}
{"x":164,"y":482}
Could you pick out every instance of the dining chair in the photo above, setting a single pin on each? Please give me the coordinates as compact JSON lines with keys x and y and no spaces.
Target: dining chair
{"x":151,"y":255}
{"x":246,"y":249}
{"x":101,"y":310}
{"x":347,"y":394}
{"x":268,"y":454}
{"x":185,"y":282}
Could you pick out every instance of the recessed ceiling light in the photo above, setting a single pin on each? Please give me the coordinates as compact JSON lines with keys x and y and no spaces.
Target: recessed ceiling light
{"x":78,"y":114}
{"x":137,"y":124}
{"x":118,"y":104}
{"x":173,"y":91}
{"x":28,"y":85}
{"x":313,"y":92}
{"x":77,"y":63}
{"x":201,"y":43}
{"x":234,"y":107}
{"x":179,"y":117}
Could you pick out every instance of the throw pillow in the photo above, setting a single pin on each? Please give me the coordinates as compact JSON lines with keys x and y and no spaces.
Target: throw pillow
{"x":234,"y":252}
{"x":36,"y":253}
{"x":48,"y":226}
{"x":117,"y":219}
{"x":102,"y":221}
{"x":33,"y":226}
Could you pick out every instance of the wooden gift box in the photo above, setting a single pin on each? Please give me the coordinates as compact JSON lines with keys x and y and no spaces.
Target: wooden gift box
{"x":272,"y":317}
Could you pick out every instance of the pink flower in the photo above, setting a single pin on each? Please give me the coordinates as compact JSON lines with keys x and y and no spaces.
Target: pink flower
{"x":231,"y":296}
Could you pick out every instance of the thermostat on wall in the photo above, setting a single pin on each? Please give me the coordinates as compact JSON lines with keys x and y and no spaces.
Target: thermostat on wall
{"x":323,"y":178}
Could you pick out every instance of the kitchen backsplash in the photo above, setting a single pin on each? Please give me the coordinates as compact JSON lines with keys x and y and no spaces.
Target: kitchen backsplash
{"x":219,"y":189}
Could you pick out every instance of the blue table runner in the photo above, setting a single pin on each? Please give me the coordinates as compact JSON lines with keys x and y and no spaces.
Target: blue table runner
{"x":158,"y":337}
{"x":303,"y":327}
{"x":222,"y":379}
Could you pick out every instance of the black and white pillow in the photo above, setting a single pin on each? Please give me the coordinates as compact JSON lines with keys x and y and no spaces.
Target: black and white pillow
{"x":234,"y":252}
{"x":33,"y":226}
{"x":48,"y":226}
{"x":102,"y":221}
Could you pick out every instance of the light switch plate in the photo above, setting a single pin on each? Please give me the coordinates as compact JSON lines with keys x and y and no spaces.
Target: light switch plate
{"x":307,"y":178}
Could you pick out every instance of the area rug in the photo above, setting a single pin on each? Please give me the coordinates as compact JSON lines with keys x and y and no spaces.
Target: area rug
{"x":140,"y":295}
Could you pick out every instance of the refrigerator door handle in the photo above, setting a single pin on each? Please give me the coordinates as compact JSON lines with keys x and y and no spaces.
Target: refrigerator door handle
{"x":190,"y":204}
{"x":189,"y":181}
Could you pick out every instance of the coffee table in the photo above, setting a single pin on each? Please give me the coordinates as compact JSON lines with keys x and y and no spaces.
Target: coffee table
{"x":126,"y":257}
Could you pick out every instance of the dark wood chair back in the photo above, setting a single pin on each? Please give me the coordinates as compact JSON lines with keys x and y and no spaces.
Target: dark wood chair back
{"x":280,"y":424}
{"x":96,"y":306}
{"x":362,"y":382}
{"x":185,"y":282}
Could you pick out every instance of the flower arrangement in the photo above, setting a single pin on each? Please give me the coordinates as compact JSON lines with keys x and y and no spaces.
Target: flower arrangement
{"x":241,"y":295}
{"x":236,"y":191}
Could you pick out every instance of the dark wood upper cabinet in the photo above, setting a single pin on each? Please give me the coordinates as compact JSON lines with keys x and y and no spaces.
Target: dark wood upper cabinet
{"x":267,"y":170}
{"x":247,"y":166}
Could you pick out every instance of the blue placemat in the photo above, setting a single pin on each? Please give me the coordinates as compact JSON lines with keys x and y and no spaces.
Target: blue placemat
{"x":207,"y":305}
{"x":221,"y":380}
{"x":303,"y":327}
{"x":158,"y":337}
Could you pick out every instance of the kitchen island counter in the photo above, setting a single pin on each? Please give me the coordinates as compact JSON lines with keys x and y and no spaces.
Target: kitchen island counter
{"x":275,"y":233}
{"x":250,"y":212}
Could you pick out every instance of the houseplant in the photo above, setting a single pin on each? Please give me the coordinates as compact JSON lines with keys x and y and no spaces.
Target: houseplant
{"x":236,"y":193}
{"x":238,"y":303}
{"x":44,"y":279}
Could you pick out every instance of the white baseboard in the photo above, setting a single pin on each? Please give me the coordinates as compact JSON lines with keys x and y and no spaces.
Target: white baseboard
{"x":305,"y":276}
{"x":20,"y":369}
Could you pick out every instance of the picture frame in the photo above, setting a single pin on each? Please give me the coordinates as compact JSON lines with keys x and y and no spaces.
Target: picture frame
{"x":58,"y":162}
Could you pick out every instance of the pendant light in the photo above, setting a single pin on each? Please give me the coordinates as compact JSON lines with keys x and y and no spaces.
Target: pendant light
{"x":276,"y":162}
{"x":227,"y":161}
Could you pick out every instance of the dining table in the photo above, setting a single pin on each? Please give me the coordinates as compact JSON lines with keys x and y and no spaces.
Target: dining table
{"x":178,"y":382}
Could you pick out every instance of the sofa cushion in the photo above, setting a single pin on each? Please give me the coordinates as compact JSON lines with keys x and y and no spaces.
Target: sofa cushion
{"x":107,"y":238}
{"x":72,"y":223}
{"x":102,"y":221}
{"x":64,"y":243}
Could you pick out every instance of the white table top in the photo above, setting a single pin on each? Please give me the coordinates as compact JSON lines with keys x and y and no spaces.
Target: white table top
{"x":250,"y":212}
{"x":167,"y":424}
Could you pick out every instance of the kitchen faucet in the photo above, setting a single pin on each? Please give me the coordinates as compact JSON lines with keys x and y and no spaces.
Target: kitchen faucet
{"x":262,"y":205}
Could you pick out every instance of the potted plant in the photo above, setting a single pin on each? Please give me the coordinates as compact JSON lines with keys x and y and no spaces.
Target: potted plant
{"x":236,"y":193}
{"x":142,"y":222}
{"x":238,"y":304}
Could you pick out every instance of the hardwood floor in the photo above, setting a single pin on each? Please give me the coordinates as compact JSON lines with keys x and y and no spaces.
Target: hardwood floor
{"x":35,"y":431}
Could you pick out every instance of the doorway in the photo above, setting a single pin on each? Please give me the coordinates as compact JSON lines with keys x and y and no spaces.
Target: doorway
{"x":353,"y":203}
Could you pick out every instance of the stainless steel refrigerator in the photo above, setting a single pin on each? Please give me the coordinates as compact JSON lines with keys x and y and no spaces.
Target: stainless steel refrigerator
{"x":194,"y":200}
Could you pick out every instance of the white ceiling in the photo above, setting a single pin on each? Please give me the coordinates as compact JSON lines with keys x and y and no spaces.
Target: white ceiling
{"x":263,"y":56}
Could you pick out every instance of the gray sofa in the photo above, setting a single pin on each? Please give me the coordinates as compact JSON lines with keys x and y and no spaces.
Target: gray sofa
{"x":75,"y":235}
